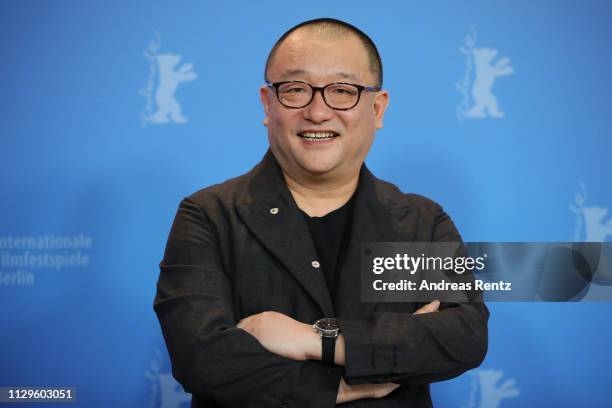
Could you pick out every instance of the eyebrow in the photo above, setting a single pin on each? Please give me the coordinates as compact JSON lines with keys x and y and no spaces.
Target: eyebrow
{"x":292,"y":72}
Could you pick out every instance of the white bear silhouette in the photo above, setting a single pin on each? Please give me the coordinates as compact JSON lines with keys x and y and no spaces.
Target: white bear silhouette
{"x":484,"y":100}
{"x":590,"y":219}
{"x":169,"y":79}
{"x":596,"y":229}
{"x":172,"y":394}
{"x":491,"y":394}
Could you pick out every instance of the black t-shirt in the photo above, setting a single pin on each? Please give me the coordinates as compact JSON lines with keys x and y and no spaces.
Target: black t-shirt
{"x":329,"y":235}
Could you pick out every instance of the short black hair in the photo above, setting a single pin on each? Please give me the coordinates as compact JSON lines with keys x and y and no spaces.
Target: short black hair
{"x":339,"y":28}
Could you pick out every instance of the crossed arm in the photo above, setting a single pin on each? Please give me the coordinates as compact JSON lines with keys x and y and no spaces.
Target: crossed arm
{"x":289,"y":338}
{"x":217,"y":357}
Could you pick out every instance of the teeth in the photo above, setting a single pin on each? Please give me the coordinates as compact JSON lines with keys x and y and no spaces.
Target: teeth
{"x":317,"y":135}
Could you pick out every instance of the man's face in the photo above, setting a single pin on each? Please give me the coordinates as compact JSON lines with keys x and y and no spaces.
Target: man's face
{"x":319,"y":61}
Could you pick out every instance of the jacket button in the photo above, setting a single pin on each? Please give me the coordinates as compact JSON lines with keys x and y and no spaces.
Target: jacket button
{"x":315,"y":264}
{"x":274,"y":211}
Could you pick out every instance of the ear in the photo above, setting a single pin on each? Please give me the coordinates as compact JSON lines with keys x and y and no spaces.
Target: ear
{"x":264,"y":95}
{"x":381,"y":101}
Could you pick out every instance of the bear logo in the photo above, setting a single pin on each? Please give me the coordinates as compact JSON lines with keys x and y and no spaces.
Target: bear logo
{"x":160,"y":92}
{"x":486,"y":72}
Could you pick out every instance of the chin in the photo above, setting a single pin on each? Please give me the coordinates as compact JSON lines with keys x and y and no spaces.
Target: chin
{"x":319,"y":169}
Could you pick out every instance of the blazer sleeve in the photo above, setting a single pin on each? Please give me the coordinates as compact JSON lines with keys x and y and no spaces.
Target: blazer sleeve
{"x":414,"y":349}
{"x":210,"y":357}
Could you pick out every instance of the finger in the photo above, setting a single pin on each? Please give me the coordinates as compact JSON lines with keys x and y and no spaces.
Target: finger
{"x":247,"y":328}
{"x":244,"y":323}
{"x":433,"y":306}
{"x":429,"y":308}
{"x":382,"y":390}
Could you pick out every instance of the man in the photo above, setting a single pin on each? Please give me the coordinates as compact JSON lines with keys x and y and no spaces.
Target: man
{"x":252,"y":263}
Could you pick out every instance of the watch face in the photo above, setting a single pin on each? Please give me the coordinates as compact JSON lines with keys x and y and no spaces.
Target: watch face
{"x":328,"y":326}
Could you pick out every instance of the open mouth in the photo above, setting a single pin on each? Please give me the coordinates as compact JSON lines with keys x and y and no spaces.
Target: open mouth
{"x":318,"y":136}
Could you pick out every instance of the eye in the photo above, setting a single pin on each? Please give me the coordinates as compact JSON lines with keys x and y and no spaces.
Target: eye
{"x":343,"y":90}
{"x":294,"y":89}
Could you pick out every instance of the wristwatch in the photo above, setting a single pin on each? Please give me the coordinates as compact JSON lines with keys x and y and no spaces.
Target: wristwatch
{"x":329,"y":329}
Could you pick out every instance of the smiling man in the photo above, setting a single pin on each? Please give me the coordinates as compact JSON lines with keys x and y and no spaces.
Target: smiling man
{"x":259,"y":293}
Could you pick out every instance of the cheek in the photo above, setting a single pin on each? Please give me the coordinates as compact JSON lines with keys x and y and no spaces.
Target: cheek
{"x":361,"y":127}
{"x":281,"y":120}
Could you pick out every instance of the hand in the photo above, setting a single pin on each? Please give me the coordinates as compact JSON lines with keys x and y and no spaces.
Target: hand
{"x":282,"y":335}
{"x":429,"y":308}
{"x":347,"y":393}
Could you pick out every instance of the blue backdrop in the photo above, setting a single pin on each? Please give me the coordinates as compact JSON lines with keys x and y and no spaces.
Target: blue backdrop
{"x":506,"y":104}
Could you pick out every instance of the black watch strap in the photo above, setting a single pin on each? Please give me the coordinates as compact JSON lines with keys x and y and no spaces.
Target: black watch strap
{"x":329,"y":348}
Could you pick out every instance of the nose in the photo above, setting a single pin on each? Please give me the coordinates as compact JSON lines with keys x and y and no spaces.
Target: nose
{"x":318,"y":111}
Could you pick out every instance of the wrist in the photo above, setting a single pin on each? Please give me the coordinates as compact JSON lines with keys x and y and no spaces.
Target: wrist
{"x":328,"y":329}
{"x":340,"y":354}
{"x":312,"y":349}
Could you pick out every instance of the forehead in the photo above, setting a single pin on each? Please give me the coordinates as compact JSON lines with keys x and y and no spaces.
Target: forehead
{"x":311,"y":56}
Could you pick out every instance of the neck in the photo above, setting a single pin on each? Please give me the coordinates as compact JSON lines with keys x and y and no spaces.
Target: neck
{"x":319,"y":198}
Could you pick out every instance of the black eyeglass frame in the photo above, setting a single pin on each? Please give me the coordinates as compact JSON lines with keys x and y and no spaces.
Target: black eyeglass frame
{"x":360,"y":89}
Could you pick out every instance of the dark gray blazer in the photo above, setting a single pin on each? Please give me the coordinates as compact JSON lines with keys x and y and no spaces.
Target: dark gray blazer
{"x":229,"y":256}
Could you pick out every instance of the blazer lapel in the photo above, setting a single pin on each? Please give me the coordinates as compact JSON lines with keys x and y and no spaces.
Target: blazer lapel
{"x":375,"y":219}
{"x":269,"y":211}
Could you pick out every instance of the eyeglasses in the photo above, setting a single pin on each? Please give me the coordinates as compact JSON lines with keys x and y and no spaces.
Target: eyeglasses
{"x":339,"y":95}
